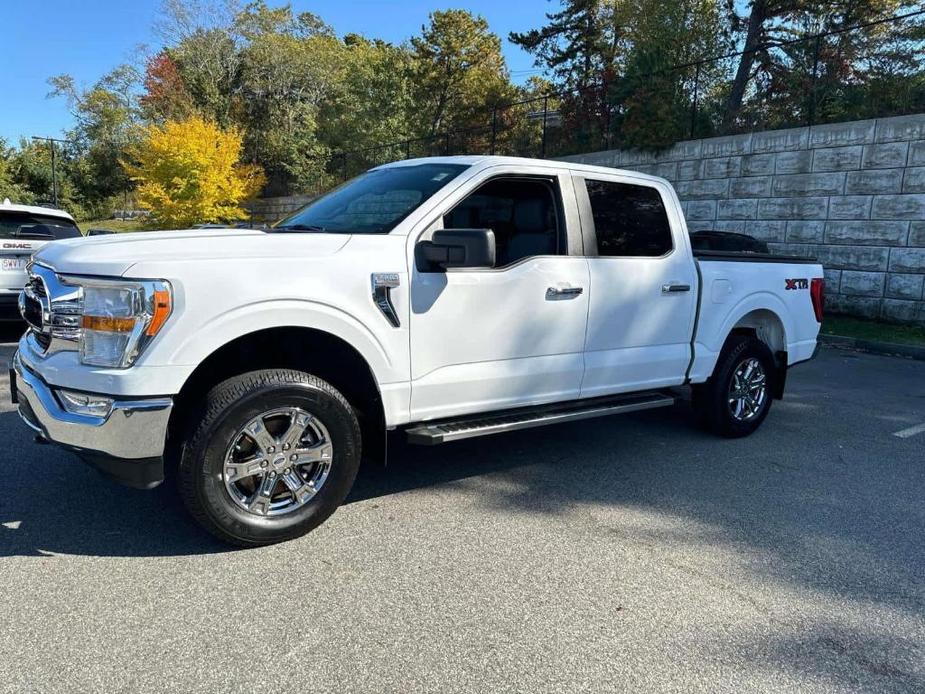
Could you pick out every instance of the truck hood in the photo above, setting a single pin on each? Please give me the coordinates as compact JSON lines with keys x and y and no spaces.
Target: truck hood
{"x":115,"y":255}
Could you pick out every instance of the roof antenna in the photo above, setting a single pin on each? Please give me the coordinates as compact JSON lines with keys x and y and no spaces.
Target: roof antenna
{"x":6,"y":202}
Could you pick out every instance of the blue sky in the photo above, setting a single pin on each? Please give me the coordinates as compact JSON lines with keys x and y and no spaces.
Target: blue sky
{"x":88,"y":37}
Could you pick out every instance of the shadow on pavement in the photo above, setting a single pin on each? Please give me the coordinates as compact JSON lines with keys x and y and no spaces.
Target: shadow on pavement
{"x":51,"y":502}
{"x":838,"y":514}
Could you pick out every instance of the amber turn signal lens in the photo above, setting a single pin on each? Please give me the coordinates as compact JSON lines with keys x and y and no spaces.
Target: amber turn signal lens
{"x":161,"y":312}
{"x":108,"y":324}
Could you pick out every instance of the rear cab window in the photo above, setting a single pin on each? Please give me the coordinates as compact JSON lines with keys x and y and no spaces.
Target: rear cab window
{"x":36,"y":226}
{"x":630,"y":220}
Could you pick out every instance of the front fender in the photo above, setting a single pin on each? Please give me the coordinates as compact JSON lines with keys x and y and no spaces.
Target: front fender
{"x":242,"y":320}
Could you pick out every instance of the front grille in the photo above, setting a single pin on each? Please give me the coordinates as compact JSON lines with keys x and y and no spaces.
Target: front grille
{"x":32,"y":311}
{"x":52,"y":310}
{"x":37,"y":286}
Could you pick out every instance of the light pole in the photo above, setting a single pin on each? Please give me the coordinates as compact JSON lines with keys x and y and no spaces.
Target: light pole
{"x":54,"y":172}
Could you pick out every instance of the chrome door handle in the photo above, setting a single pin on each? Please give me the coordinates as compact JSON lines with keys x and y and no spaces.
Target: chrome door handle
{"x":563,"y":292}
{"x":672,"y":288}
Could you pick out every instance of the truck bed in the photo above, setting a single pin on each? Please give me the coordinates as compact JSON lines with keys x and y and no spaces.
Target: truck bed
{"x":731,"y":286}
{"x":749,"y":257}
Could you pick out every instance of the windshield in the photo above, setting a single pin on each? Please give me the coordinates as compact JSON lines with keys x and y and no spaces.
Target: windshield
{"x":25,"y":225}
{"x":373,"y":203}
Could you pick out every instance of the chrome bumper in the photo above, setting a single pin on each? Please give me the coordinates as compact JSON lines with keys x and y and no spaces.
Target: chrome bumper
{"x":127,"y":444}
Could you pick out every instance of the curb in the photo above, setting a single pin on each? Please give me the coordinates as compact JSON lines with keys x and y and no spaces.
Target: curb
{"x":884,"y":348}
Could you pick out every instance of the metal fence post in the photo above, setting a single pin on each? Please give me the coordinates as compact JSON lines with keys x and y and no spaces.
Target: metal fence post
{"x":494,"y":127}
{"x":694,"y":102}
{"x":812,"y":88}
{"x":446,"y":143}
{"x":344,"y":169}
{"x":545,"y":113}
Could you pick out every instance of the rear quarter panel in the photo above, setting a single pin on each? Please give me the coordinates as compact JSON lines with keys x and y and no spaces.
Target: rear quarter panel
{"x":730,"y":290}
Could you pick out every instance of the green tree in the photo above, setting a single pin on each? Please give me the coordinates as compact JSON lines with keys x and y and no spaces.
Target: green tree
{"x":578,"y":44}
{"x":290,"y":65}
{"x":10,"y":184}
{"x":458,"y":72}
{"x":849,"y":74}
{"x":107,"y":115}
{"x":371,"y":105}
{"x":651,"y":97}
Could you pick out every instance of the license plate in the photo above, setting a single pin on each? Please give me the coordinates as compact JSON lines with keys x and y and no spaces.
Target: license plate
{"x":13,"y":263}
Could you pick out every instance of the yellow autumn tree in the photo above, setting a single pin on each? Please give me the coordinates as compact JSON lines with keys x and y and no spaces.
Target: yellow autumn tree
{"x":188,"y":172}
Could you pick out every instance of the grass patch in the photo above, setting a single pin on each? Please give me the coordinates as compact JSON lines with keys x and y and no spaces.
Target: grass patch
{"x":874,"y":331}
{"x":114,"y":225}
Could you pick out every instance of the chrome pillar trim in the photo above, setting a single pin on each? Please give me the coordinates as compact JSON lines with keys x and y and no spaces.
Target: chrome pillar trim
{"x":383,"y":283}
{"x":133,"y":429}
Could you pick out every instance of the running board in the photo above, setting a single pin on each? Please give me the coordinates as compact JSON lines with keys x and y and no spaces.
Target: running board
{"x":442,"y":431}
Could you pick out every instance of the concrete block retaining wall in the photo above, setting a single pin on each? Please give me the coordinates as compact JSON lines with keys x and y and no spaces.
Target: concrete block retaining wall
{"x":270,"y":210}
{"x":851,"y":194}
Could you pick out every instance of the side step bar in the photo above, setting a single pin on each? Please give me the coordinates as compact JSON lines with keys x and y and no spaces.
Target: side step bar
{"x":442,"y":431}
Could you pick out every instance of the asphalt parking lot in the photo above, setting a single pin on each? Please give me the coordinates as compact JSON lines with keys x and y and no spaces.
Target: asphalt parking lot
{"x":634,"y":553}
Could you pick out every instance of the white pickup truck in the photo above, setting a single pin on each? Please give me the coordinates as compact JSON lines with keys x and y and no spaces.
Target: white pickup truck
{"x":446,"y":298}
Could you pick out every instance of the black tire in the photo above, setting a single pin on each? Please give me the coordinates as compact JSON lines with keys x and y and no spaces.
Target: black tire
{"x":228,"y":407}
{"x":711,"y":400}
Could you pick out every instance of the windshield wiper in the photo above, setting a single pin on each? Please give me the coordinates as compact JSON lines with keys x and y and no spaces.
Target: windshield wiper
{"x":299,"y":227}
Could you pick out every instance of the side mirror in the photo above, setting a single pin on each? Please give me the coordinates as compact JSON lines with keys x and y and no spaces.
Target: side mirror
{"x":451,"y":248}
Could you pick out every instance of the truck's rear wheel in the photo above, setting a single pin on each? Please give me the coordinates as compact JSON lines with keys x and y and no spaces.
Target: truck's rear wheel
{"x":269,"y":457}
{"x":737,"y":397}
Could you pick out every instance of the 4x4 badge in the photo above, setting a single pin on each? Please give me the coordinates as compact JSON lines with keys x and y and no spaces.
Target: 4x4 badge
{"x":797,"y":284}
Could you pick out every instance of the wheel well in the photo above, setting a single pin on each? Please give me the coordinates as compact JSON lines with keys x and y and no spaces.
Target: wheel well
{"x":766,"y":326}
{"x":305,"y":349}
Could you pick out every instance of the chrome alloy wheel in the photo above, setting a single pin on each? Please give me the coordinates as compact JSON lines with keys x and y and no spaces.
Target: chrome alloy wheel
{"x":748,"y":390}
{"x":277,"y":461}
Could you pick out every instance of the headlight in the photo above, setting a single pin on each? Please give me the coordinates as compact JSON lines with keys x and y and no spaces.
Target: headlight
{"x":119,"y":318}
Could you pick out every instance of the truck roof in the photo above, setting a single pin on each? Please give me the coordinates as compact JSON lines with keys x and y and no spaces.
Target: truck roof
{"x":490,"y":160}
{"x":7,"y":206}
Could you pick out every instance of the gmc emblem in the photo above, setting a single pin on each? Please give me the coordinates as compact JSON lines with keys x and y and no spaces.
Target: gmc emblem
{"x":24,"y":246}
{"x":797,"y":284}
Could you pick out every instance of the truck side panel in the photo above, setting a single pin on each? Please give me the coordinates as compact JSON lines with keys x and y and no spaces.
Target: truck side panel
{"x":759,"y":295}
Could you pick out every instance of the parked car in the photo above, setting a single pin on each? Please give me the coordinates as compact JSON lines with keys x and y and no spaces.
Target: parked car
{"x":728,"y":241}
{"x":445,"y":298}
{"x":23,"y":230}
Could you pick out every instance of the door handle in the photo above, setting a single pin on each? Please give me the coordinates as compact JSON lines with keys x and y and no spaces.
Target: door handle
{"x":563,"y":292}
{"x":672,"y":288}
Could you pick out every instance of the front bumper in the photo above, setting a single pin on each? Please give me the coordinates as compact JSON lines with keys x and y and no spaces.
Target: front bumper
{"x":127,"y":444}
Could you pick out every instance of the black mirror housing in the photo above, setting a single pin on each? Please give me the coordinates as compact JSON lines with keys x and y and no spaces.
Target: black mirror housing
{"x":456,"y":248}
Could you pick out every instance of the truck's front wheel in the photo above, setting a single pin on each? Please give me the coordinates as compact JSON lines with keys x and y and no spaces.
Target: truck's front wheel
{"x":270,"y":455}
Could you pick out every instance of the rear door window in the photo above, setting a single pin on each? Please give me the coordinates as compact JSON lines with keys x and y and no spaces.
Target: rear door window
{"x":629,"y":220}
{"x":36,"y":227}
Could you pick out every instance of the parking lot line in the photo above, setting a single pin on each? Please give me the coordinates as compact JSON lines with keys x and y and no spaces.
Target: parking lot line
{"x":911,"y":431}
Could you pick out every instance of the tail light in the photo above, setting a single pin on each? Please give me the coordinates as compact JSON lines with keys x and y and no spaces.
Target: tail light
{"x":817,"y":294}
